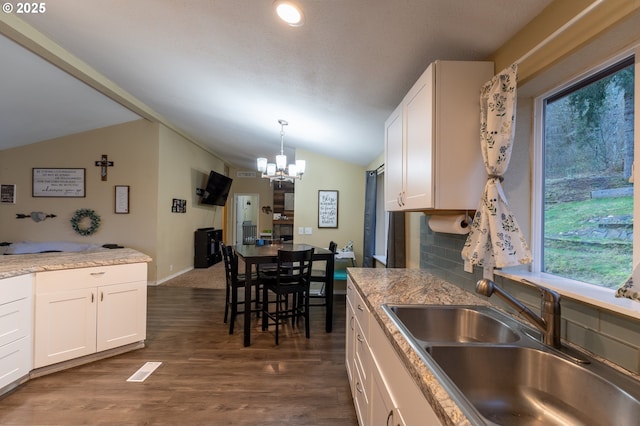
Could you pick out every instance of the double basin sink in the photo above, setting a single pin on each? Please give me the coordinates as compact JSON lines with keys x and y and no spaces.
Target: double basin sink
{"x":499,"y":373}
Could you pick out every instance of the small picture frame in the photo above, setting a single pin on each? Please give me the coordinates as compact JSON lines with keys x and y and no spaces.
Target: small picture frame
{"x":179,"y":206}
{"x":7,"y":194}
{"x":327,"y":209}
{"x":122,"y":199}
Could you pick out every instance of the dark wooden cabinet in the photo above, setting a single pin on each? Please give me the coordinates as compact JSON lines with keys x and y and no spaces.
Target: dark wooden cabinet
{"x":283,"y":196}
{"x":207,"y":247}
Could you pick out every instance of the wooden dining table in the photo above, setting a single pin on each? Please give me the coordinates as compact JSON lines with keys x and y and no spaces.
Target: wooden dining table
{"x":253,"y":255}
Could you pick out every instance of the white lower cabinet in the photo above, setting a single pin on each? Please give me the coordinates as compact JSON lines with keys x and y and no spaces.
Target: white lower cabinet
{"x":15,"y":328}
{"x":383,"y":391}
{"x":358,"y":356}
{"x":382,"y":406}
{"x":350,"y":333}
{"x":82,"y":311}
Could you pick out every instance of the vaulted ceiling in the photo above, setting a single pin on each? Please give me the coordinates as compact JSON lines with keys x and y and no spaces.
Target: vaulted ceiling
{"x":222,"y":72}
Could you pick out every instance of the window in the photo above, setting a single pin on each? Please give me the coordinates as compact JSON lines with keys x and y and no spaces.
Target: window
{"x":584,"y":168}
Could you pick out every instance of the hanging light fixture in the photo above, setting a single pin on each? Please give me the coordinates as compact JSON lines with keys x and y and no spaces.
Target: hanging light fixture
{"x":279,"y":171}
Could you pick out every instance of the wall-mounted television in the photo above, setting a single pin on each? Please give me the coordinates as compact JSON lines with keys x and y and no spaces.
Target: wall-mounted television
{"x":217,"y":189}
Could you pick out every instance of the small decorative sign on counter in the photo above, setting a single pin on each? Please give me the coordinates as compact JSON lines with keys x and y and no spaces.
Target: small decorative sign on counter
{"x":327,"y":209}
{"x":58,"y":183}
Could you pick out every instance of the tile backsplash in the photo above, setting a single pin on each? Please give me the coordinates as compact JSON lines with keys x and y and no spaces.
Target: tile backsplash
{"x":614,"y":337}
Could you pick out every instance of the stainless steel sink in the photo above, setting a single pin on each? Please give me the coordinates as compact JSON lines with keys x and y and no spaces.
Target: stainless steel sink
{"x":498,"y":373}
{"x":526,"y":386}
{"x":440,"y":323}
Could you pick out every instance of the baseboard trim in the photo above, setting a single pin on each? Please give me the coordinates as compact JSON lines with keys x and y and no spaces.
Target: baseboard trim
{"x":170,"y":277}
{"x":64,"y":365}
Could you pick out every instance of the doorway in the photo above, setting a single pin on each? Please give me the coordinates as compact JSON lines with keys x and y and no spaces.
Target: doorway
{"x":246,"y":216}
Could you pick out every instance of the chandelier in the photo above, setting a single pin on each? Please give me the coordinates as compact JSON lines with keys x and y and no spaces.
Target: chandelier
{"x":279,"y":171}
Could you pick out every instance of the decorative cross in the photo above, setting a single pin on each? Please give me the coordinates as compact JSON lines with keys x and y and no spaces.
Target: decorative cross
{"x":104,"y":163}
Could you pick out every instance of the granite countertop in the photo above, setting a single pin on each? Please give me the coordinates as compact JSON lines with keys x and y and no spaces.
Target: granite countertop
{"x":413,"y":286}
{"x":20,"y":264}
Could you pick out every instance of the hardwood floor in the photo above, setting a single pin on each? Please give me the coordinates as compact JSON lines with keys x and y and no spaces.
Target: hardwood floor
{"x":207,"y":377}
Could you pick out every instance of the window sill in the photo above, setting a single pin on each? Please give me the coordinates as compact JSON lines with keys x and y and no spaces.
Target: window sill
{"x":598,"y":297}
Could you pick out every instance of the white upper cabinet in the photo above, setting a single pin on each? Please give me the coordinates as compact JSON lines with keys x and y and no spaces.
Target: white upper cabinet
{"x":432,"y":140}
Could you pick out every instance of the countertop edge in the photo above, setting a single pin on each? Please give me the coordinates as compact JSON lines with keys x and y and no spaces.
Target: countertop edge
{"x":379,"y":286}
{"x":21,"y":264}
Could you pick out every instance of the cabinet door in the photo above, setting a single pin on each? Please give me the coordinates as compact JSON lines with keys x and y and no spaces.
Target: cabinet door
{"x":393,"y":164}
{"x":350,"y":341}
{"x":419,"y":183}
{"x":122,"y":315}
{"x":65,"y":326}
{"x":382,"y":410}
{"x":15,"y":360}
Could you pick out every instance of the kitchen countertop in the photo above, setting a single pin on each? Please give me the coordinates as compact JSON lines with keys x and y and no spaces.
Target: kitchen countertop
{"x":413,"y":286}
{"x":378,"y":286}
{"x":20,"y":264}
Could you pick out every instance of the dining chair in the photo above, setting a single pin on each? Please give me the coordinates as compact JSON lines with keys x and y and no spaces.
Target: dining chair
{"x":319,"y":276}
{"x":235,"y":282}
{"x":292,"y":278}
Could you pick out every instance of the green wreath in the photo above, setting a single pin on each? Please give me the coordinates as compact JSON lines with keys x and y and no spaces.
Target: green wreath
{"x":79,"y":217}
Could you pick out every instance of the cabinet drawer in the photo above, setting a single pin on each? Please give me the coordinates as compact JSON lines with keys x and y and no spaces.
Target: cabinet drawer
{"x":363,"y":359}
{"x":362,"y":313}
{"x":15,"y":361}
{"x":70,"y":279}
{"x":15,"y":288}
{"x":350,"y":341}
{"x":15,"y":320}
{"x":351,"y":291}
{"x":360,"y":397}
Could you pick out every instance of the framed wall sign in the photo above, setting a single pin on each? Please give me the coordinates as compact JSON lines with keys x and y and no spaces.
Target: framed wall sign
{"x":58,"y":183}
{"x":327,"y":209}
{"x":122,"y":199}
{"x":7,"y":194}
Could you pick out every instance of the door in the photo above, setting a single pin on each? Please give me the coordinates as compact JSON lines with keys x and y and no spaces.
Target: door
{"x":122,"y":315}
{"x":393,"y":164}
{"x":246,"y":212}
{"x":418,"y":160}
{"x":65,"y":326}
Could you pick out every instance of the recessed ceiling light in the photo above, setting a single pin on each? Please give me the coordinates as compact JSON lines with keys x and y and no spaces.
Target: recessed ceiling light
{"x":290,"y":13}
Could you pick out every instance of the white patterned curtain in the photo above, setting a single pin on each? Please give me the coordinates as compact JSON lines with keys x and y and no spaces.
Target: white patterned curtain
{"x":495,"y":239}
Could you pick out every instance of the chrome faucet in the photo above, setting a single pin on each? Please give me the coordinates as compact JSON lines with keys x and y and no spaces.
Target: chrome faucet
{"x":549,"y":321}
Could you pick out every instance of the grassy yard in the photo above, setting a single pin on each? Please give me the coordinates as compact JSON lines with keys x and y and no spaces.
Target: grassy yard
{"x":575,"y":247}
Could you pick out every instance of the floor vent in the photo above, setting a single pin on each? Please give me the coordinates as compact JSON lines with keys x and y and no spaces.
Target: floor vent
{"x":144,"y":372}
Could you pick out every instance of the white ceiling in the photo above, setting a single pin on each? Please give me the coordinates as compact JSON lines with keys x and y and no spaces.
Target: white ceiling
{"x":225,"y":71}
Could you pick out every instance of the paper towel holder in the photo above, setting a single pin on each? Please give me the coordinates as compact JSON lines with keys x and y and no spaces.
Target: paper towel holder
{"x":467,"y":221}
